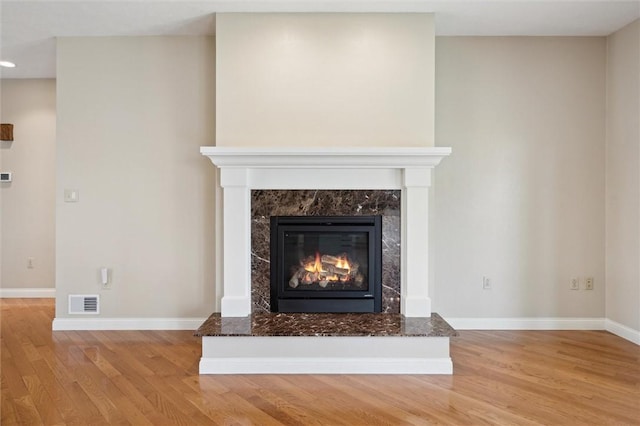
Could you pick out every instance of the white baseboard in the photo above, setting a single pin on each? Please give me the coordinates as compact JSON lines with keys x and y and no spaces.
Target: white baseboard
{"x":618,"y":329}
{"x":527,"y":323}
{"x":623,"y":331}
{"x":27,"y":293}
{"x":84,"y":323}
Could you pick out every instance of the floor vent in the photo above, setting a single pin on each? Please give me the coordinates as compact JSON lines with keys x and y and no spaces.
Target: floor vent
{"x":84,"y":304}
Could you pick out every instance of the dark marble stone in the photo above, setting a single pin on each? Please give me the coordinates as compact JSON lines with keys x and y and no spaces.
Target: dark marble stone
{"x":281,"y":324}
{"x":267,"y":203}
{"x":260,"y":264}
{"x":391,"y":264}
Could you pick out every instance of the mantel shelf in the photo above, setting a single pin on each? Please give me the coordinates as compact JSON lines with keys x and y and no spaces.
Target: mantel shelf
{"x":390,"y":158}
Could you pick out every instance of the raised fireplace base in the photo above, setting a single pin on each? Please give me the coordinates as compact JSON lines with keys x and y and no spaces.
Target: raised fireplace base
{"x":325,"y":344}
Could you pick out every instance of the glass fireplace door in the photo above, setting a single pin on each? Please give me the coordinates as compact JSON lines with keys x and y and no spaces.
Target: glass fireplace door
{"x":328,"y":259}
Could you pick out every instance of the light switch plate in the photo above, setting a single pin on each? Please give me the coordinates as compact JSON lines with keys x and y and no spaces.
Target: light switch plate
{"x":71,"y":196}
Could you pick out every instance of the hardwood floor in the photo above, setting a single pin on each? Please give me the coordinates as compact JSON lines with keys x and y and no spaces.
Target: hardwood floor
{"x":151,"y":378}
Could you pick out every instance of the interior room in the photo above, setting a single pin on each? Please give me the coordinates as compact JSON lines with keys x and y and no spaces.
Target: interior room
{"x":464,"y":178}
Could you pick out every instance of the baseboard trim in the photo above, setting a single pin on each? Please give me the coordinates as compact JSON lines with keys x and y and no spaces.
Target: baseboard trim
{"x":611,"y":326}
{"x":84,"y":323}
{"x":527,"y":323}
{"x":623,"y":331}
{"x":27,"y":293}
{"x":70,"y":324}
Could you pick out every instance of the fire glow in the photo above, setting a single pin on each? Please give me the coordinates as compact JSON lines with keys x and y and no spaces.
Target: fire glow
{"x":325,"y":269}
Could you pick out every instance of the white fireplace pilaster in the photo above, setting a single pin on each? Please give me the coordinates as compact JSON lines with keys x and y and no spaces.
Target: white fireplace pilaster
{"x":244,"y":169}
{"x":236,"y":300}
{"x":414,"y":253}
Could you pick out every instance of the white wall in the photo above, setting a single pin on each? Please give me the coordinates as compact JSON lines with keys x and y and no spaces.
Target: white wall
{"x":521,"y":199}
{"x":623,"y":177}
{"x":325,"y":79}
{"x":132,"y":114}
{"x":27,"y":218}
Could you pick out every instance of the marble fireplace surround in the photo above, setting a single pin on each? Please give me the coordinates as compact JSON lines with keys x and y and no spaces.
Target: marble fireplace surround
{"x":316,"y":202}
{"x":246,"y":169}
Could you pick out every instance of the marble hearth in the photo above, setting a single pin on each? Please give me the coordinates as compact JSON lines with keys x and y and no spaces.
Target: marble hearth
{"x":308,"y":343}
{"x":260,"y":348}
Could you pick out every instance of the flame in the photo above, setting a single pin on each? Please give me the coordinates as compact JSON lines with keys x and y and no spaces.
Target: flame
{"x":315,"y":272}
{"x":315,"y":267}
{"x":343,"y":264}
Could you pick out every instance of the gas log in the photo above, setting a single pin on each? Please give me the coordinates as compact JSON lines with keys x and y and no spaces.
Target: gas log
{"x":334,"y":260}
{"x":325,"y":269}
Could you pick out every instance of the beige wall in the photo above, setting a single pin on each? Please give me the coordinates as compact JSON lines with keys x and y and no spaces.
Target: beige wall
{"x":132,"y":114}
{"x":27,"y":218}
{"x":325,"y":79}
{"x":521,"y":199}
{"x":623,"y":176}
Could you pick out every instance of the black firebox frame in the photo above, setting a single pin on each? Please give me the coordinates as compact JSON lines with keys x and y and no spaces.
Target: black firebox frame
{"x":287,"y":300}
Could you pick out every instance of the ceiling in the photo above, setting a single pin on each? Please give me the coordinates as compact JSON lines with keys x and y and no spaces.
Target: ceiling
{"x":29,"y":28}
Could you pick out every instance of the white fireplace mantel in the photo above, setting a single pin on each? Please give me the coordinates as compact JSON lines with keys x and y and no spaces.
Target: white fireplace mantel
{"x":244,"y":169}
{"x":325,"y":158}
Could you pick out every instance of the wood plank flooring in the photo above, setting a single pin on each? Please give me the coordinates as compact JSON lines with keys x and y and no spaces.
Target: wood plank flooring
{"x":151,"y":378}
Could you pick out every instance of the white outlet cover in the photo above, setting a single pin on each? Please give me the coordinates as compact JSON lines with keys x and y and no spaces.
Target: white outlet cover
{"x":486,"y":283}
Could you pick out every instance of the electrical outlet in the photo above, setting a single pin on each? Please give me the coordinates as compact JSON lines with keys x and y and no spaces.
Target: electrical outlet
{"x":486,"y":283}
{"x":31,"y":263}
{"x":588,"y":283}
{"x":574,"y":284}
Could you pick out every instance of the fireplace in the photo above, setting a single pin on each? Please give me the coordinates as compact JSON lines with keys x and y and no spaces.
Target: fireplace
{"x":286,"y":350}
{"x":242,"y":170}
{"x":326,"y":263}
